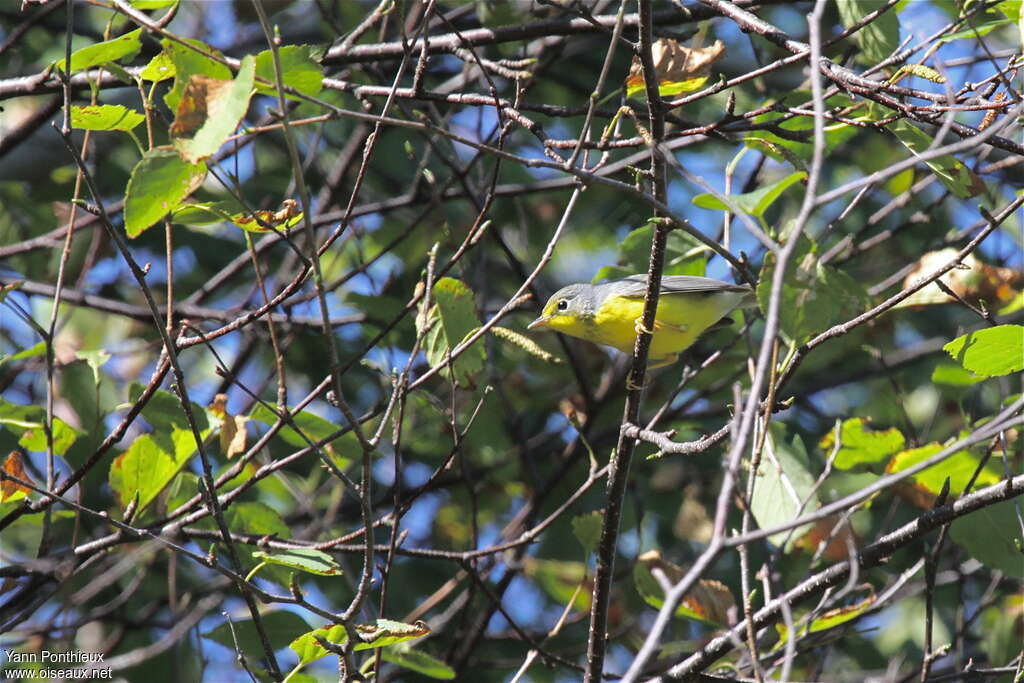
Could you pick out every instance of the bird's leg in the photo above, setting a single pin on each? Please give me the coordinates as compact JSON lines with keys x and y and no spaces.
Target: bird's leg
{"x":638,"y":326}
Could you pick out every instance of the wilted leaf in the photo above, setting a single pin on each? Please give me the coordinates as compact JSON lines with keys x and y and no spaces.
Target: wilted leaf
{"x":678,"y":68}
{"x":838,"y":540}
{"x":232,"y":427}
{"x":974,"y":283}
{"x":209,"y":112}
{"x":708,"y":601}
{"x":188,"y":61}
{"x":267,"y":221}
{"x":12,"y":490}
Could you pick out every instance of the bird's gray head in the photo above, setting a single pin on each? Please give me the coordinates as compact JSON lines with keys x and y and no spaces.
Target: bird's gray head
{"x":571,"y":305}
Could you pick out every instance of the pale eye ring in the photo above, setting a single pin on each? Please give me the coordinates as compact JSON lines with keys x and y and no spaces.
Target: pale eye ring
{"x":563,"y":304}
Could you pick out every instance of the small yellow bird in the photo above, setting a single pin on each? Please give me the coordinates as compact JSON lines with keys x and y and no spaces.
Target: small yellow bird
{"x":611,"y":313}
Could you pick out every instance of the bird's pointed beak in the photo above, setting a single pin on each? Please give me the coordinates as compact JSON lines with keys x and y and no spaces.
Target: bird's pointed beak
{"x":539,"y":322}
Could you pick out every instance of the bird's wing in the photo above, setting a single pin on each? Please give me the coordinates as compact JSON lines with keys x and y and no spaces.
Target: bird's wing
{"x":635,"y":286}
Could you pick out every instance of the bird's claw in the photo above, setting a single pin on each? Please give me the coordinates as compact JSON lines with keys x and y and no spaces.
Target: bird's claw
{"x":638,"y":326}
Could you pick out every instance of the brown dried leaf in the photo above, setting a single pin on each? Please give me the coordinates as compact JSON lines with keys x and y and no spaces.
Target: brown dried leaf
{"x":978,"y":281}
{"x":837,"y":548}
{"x":14,"y":467}
{"x":193,"y":108}
{"x":264,"y":220}
{"x":708,"y":600}
{"x":233,"y":437}
{"x":679,"y":68}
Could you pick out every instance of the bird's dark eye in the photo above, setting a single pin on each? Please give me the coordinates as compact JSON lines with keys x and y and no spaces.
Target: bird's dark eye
{"x":563,"y":304}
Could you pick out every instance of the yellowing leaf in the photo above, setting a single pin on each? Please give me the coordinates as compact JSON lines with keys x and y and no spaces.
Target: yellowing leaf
{"x":827,"y":620}
{"x":861,"y":446}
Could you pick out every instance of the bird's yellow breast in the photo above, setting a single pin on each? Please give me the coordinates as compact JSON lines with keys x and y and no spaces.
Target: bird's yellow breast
{"x":678,"y":322}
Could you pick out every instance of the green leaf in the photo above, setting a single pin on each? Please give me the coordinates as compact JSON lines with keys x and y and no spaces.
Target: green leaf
{"x":158,"y":184}
{"x":954,"y":375}
{"x":160,"y":68}
{"x":164,"y":411}
{"x":755,"y":203}
{"x":206,"y":213}
{"x":187,"y":62}
{"x":419,"y":661}
{"x":992,"y":536}
{"x":560,"y":579}
{"x":279,"y":625}
{"x":95,"y":360}
{"x":300,"y":69}
{"x":451,"y":319}
{"x":304,"y":559}
{"x":19,"y":417}
{"x":778,"y":496}
{"x":63,"y":436}
{"x":308,"y":650}
{"x":255,"y":518}
{"x":684,"y":255}
{"x":814,"y":297}
{"x":861,"y":446}
{"x":977,"y":30}
{"x":990,"y":352}
{"x":952,"y":173}
{"x":879,"y":38}
{"x":214,"y":109}
{"x":143,"y":470}
{"x":113,"y":50}
{"x":587,"y":530}
{"x":959,"y":468}
{"x":37,"y":349}
{"x":105,"y":117}
{"x":799,"y":151}
{"x":313,"y":426}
